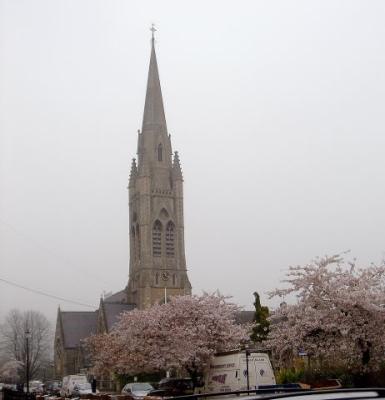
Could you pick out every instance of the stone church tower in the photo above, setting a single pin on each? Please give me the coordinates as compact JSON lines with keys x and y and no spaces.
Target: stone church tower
{"x":157,"y":254}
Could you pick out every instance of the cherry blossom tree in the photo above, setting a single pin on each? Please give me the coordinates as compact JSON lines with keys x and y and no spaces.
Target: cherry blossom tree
{"x":339,"y":316}
{"x":181,"y":335}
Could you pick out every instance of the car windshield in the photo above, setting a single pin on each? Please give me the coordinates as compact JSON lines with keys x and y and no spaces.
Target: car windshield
{"x":138,"y":387}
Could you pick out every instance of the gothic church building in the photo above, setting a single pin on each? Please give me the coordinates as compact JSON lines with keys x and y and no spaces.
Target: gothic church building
{"x":157,"y":266}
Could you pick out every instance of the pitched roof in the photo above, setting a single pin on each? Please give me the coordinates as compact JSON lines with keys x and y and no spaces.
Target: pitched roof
{"x":118,"y":297}
{"x":244,"y":317}
{"x":112,"y":312}
{"x":77,"y":325}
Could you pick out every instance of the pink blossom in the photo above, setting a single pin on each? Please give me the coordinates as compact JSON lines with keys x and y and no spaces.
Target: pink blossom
{"x":181,"y":335}
{"x":339,"y":316}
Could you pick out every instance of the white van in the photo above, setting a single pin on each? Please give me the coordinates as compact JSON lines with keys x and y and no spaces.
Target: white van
{"x":228,"y":372}
{"x":69,"y":383}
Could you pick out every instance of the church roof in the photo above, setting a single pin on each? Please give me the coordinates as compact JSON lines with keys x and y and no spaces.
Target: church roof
{"x":153,"y":116}
{"x":77,"y":325}
{"x":112,"y":311}
{"x":244,"y":317}
{"x":118,"y":297}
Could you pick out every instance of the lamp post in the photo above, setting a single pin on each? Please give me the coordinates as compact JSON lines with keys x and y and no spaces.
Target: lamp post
{"x":247,"y":351}
{"x":27,"y":337}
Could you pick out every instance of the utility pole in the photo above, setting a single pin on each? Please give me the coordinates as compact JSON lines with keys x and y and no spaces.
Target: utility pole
{"x":247,"y":367}
{"x":27,"y":337}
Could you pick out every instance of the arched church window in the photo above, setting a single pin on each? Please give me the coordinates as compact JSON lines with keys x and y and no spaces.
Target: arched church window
{"x":160,"y":152}
{"x":137,"y":242}
{"x":157,"y":239}
{"x":170,"y":240}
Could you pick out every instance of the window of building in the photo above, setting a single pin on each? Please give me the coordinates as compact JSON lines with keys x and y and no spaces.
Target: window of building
{"x":170,"y":240}
{"x":174,"y":279}
{"x":160,"y":152}
{"x":157,"y":278}
{"x":137,"y":242}
{"x":133,"y":238}
{"x":157,"y":239}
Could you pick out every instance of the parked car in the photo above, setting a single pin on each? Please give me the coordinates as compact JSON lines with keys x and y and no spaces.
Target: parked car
{"x":137,"y":390}
{"x":296,"y":394}
{"x":176,"y":386}
{"x":36,"y":387}
{"x":82,"y":388}
{"x":9,"y":386}
{"x":53,"y":387}
{"x":69,"y":383}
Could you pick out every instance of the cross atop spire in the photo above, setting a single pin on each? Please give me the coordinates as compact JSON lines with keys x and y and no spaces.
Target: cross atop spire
{"x":153,"y":116}
{"x":153,"y":30}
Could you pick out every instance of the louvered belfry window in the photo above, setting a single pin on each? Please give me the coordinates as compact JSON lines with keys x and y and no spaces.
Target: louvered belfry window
{"x":157,"y":239}
{"x":170,"y":240}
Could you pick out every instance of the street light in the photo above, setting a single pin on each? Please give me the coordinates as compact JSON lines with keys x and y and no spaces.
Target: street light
{"x":27,"y":337}
{"x":247,"y":351}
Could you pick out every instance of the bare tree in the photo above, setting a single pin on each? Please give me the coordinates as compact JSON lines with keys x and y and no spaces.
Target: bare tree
{"x":9,"y":370}
{"x":14,"y":340}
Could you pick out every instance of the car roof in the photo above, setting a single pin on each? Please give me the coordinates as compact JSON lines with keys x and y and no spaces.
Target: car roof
{"x":295,"y":394}
{"x":137,"y":383}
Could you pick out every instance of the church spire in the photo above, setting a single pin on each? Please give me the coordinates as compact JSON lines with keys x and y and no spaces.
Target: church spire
{"x":157,"y":254}
{"x":153,"y":116}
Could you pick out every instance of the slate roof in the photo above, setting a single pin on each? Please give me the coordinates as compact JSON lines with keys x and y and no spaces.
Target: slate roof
{"x":77,"y":325}
{"x":118,"y":297}
{"x":113,"y":310}
{"x":244,"y":317}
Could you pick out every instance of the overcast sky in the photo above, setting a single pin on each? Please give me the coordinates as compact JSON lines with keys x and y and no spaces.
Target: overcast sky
{"x":276,"y":109}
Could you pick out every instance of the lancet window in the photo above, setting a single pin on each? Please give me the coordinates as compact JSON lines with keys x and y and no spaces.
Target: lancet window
{"x":157,"y":239}
{"x":170,"y":240}
{"x":160,"y":152}
{"x":133,"y":238}
{"x":137,"y":242}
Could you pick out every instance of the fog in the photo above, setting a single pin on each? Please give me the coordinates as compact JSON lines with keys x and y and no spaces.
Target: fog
{"x":276,"y":109}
